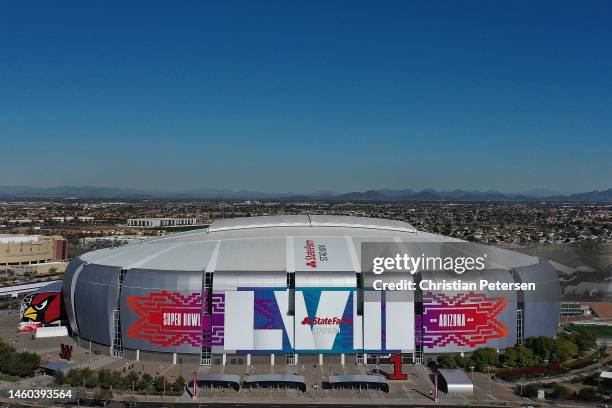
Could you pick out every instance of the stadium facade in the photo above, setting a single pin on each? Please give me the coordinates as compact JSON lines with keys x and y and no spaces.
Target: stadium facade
{"x":292,"y":286}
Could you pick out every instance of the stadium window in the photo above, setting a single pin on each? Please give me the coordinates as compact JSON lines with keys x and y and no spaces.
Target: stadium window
{"x":291,"y":289}
{"x":360,"y":294}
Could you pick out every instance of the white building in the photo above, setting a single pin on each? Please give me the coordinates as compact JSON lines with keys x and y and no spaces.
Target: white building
{"x":161,"y":222}
{"x":110,"y":241}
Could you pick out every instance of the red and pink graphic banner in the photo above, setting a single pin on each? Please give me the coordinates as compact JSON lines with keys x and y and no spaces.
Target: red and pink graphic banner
{"x":466,"y":319}
{"x":167,"y":318}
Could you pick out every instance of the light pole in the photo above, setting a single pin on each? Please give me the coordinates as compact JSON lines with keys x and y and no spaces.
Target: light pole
{"x":489,"y":382}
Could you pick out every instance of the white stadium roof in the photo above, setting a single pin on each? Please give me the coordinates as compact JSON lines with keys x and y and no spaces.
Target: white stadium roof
{"x":276,"y":243}
{"x":312,"y":221}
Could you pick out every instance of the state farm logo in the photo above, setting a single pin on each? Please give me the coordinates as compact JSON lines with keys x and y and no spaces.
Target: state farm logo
{"x":326,"y":320}
{"x":315,"y":254}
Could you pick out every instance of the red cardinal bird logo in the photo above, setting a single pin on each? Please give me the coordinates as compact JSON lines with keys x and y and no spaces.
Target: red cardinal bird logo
{"x":44,"y":308}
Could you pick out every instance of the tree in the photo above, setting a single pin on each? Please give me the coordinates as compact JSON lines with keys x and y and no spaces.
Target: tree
{"x":585,"y":341}
{"x":91,"y":381}
{"x":117,"y":379}
{"x":22,"y":364}
{"x":560,"y":392}
{"x":541,"y":346}
{"x":5,"y":354}
{"x":74,"y":378}
{"x":447,"y":361}
{"x":179,"y":384}
{"x":485,"y":357}
{"x":141,"y":385}
{"x":129,"y":379}
{"x":159,"y":383}
{"x":530,"y":391}
{"x":520,"y":356}
{"x":103,"y":395}
{"x":59,"y":377}
{"x":564,"y":350}
{"x":588,"y":394}
{"x":105,"y":379}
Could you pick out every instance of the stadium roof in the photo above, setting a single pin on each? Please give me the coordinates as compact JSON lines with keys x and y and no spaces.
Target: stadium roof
{"x":457,"y":381}
{"x":218,"y":377}
{"x":311,"y":221}
{"x":56,"y":366}
{"x":359,"y":378}
{"x":30,"y":287}
{"x":55,"y":286}
{"x":292,"y":378}
{"x":276,"y":243}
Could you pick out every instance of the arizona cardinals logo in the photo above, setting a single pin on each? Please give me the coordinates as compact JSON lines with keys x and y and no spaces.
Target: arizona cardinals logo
{"x":43,"y":308}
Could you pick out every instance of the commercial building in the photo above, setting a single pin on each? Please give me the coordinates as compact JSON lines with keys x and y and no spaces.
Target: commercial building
{"x":110,"y":241}
{"x":574,"y":311}
{"x":286,"y":288}
{"x":32,"y":253}
{"x":161,"y":222}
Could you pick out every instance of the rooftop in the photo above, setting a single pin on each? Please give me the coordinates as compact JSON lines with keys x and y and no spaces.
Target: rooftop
{"x":277,"y":243}
{"x":18,"y":239}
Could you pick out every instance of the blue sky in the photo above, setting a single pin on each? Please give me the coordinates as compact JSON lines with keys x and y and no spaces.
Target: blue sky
{"x":303,"y":96}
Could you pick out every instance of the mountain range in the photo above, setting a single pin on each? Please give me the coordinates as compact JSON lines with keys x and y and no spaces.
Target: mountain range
{"x":382,"y":195}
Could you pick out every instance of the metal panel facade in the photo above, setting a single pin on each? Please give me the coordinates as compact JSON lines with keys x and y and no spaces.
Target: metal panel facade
{"x":70,"y":275}
{"x":541,"y":314}
{"x":95,"y":297}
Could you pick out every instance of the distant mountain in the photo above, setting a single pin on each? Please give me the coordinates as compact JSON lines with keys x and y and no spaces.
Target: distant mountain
{"x":72,"y":191}
{"x":591,"y":197}
{"x":542,"y":192}
{"x":369,"y":195}
{"x":229,"y":194}
{"x":396,"y":193}
{"x":112,"y":192}
{"x":382,"y":195}
{"x":464,"y":195}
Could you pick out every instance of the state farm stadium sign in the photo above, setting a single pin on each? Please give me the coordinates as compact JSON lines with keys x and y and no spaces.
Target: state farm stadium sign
{"x":315,"y":254}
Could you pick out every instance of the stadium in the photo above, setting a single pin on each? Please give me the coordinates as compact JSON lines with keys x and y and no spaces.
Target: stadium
{"x":296,"y":287}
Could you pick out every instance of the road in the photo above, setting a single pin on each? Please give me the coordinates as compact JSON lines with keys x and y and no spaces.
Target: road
{"x":254,"y":405}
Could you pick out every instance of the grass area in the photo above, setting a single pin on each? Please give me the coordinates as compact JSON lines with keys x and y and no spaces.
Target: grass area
{"x":595,"y":330}
{"x":9,"y":378}
{"x":579,"y":363}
